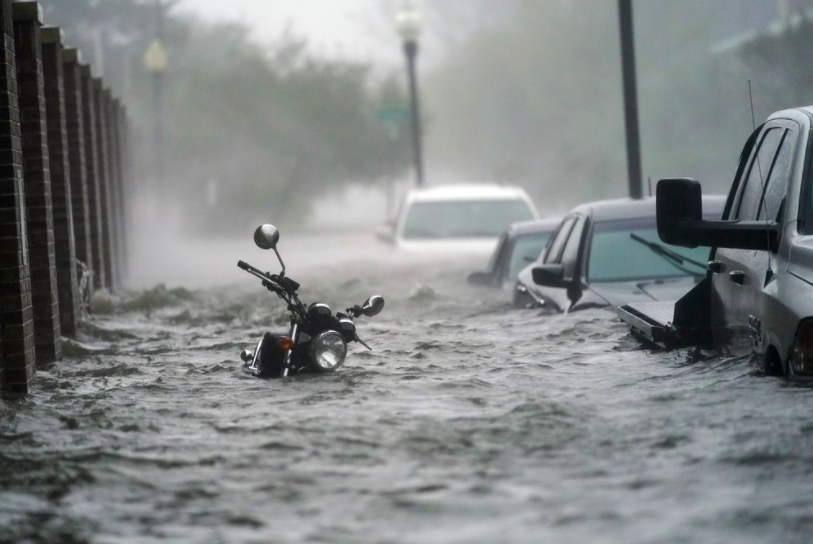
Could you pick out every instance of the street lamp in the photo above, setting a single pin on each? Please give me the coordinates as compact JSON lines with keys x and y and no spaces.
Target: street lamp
{"x":156,"y":61}
{"x":408,"y":23}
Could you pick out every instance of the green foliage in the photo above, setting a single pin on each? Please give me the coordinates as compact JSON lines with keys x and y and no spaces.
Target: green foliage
{"x":267,"y":128}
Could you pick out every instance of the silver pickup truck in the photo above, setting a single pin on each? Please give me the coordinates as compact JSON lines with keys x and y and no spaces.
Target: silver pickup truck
{"x":757,"y":297}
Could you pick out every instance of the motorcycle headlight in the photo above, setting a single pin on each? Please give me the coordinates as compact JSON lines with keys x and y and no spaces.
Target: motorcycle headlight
{"x":328,"y":351}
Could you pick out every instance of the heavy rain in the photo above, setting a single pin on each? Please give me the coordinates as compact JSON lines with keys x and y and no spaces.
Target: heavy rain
{"x":400,"y":271}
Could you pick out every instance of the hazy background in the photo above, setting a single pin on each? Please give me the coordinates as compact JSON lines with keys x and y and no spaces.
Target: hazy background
{"x":271,"y":105}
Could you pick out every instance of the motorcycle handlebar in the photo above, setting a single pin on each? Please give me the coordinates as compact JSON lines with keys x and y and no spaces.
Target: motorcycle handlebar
{"x":267,"y":280}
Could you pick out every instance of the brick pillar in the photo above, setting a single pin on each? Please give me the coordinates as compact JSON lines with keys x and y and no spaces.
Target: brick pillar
{"x":75,"y":125}
{"x":115,"y":185}
{"x":61,"y":196}
{"x":126,"y":186}
{"x":100,"y":96}
{"x":92,"y":165}
{"x":16,"y":316}
{"x":36,"y":171}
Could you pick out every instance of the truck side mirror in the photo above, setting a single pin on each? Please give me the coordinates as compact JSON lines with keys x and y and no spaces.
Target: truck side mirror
{"x":550,"y":275}
{"x":677,"y":200}
{"x":679,"y":208}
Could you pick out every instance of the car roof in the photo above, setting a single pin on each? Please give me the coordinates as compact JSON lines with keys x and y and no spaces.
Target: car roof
{"x":533,"y":227}
{"x":472,"y":191}
{"x":628,"y":208}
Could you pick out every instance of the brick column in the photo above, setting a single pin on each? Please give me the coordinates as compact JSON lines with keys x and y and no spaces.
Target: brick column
{"x":36,"y":170}
{"x":16,"y":317}
{"x":126,"y":185}
{"x":92,"y":165}
{"x":100,"y":98}
{"x":115,"y":185}
{"x":75,"y":125}
{"x":61,"y":196}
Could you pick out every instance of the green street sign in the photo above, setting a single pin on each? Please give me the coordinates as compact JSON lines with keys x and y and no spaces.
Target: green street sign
{"x":393,"y":115}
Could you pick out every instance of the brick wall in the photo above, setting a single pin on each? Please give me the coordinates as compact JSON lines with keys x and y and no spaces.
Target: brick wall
{"x":36,"y":172}
{"x":16,"y":317}
{"x":61,"y":192}
{"x":75,"y":125}
{"x":93,"y":177}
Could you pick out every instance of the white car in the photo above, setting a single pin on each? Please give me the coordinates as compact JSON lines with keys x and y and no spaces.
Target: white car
{"x":457,"y":219}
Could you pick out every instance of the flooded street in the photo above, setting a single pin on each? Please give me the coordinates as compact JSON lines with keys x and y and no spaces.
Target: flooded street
{"x":468,"y":422}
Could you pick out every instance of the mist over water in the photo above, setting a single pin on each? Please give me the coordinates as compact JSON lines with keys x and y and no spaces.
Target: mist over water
{"x":468,"y":422}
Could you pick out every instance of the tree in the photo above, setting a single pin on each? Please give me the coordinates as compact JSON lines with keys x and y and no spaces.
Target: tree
{"x":261,"y":131}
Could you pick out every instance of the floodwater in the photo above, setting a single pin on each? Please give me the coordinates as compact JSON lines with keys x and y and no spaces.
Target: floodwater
{"x":468,"y":422}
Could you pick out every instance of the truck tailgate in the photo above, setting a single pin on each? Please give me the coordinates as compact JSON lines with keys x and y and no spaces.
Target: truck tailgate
{"x":651,"y":321}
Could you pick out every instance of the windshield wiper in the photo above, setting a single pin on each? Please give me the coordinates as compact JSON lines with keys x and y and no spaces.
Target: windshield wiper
{"x":673,"y":257}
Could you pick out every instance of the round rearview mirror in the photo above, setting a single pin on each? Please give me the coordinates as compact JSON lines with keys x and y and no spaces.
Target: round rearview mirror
{"x":373,"y":306}
{"x":266,"y":236}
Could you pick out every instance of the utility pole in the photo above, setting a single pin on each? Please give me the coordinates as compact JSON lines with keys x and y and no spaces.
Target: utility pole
{"x":630,"y":98}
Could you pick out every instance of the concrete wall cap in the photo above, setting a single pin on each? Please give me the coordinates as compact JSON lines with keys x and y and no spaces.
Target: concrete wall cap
{"x":26,"y":11}
{"x":51,"y":35}
{"x":72,"y":54}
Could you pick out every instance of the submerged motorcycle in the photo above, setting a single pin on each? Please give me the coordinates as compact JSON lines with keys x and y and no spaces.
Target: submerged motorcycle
{"x":317,"y":340}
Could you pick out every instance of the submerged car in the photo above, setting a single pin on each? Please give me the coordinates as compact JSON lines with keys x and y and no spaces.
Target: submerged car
{"x":607,"y":253}
{"x":756,"y":299}
{"x":520,"y":244}
{"x":457,"y":219}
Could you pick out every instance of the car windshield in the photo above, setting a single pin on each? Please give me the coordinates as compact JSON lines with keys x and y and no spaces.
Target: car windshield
{"x":616,"y":256}
{"x":463,"y":218}
{"x":526,"y":250}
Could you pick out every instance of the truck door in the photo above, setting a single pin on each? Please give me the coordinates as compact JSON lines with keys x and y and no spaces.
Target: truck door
{"x":741,"y":275}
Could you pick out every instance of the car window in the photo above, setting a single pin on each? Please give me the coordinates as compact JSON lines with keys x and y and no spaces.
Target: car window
{"x":616,"y":256}
{"x":526,"y":250}
{"x":555,"y":247}
{"x":463,"y":218}
{"x":570,"y":255}
{"x":760,"y":168}
{"x":777,"y":185}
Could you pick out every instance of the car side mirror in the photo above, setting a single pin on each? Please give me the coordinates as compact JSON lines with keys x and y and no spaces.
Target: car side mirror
{"x":550,"y":275}
{"x":483,"y":279}
{"x":679,"y":207}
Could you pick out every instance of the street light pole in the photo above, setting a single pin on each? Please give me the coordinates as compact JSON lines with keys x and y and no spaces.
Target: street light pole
{"x":630,"y":98}
{"x":408,"y":23}
{"x":156,"y":61}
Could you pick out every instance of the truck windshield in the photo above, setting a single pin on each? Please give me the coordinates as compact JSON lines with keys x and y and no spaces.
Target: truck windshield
{"x":615,"y":256}
{"x":463,"y":219}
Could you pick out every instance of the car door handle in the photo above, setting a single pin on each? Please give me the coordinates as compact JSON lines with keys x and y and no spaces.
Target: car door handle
{"x":714,"y":266}
{"x":737,"y":276}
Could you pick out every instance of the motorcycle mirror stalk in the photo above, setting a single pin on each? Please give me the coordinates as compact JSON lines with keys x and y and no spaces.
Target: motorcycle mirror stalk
{"x":266,"y":237}
{"x":371,"y":307}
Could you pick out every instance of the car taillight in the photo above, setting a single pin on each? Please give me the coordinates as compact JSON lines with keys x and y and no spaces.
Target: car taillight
{"x":801,"y":356}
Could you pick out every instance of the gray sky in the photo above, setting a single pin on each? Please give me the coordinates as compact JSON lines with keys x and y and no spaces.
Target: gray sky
{"x":353,"y":28}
